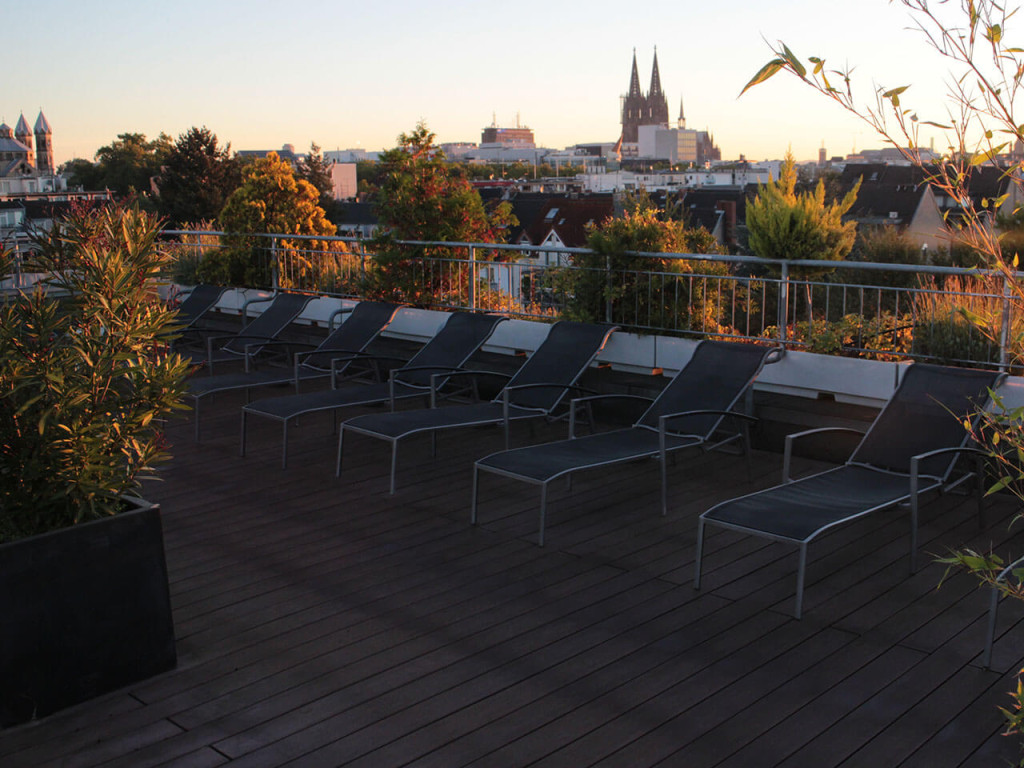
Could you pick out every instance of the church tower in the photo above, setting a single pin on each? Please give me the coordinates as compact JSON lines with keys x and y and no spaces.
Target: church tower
{"x":44,"y":145}
{"x":24,"y":134}
{"x":639,"y":108}
{"x":633,"y":106}
{"x":657,"y":104}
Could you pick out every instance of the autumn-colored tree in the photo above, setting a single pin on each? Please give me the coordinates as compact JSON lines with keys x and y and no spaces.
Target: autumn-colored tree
{"x":642,"y":291}
{"x":269,"y":200}
{"x":420,"y":197}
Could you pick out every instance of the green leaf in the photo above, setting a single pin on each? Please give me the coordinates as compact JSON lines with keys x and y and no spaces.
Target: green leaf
{"x":767,"y":71}
{"x":793,"y":61}
{"x":894,"y":92}
{"x":983,"y":157}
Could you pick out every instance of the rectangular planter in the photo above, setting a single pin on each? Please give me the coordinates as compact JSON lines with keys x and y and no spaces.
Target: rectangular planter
{"x":85,"y":610}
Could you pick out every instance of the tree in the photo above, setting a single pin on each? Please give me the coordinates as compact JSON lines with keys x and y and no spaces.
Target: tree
{"x":317,"y":171}
{"x":82,"y":173}
{"x":980,"y":124}
{"x":128,"y":164}
{"x":421,"y":197}
{"x":789,"y":225}
{"x":643,"y":291}
{"x":197,"y":177}
{"x":269,"y":200}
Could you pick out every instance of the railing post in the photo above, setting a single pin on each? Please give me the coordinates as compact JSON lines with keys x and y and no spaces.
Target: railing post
{"x":274,"y":266}
{"x":1004,"y":332}
{"x":783,"y":302}
{"x":472,"y":277}
{"x":198,"y":253}
{"x":608,"y":289}
{"x":362,"y":261}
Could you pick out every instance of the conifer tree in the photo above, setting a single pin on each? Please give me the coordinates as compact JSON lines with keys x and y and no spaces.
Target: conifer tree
{"x":794,"y":226}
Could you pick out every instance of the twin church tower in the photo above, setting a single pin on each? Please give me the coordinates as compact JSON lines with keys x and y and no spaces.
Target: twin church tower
{"x":646,"y":132}
{"x":24,"y":151}
{"x":639,"y":108}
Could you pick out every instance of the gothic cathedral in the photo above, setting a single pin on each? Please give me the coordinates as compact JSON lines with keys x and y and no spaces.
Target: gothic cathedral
{"x":643,"y":109}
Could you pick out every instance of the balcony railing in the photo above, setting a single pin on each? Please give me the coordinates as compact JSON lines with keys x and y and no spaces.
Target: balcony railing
{"x":887,"y":311}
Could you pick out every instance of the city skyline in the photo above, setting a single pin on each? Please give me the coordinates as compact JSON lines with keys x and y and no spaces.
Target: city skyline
{"x":356,"y":77}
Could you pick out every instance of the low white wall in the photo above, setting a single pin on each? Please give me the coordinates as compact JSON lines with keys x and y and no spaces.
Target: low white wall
{"x":803,"y":374}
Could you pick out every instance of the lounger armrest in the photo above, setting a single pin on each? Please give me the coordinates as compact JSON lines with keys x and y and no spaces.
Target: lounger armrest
{"x":435,"y":380}
{"x":664,"y":419}
{"x":506,"y":395}
{"x":792,"y":438}
{"x":338,"y":361}
{"x":1004,"y":574}
{"x":211,"y":340}
{"x":915,"y":461}
{"x":255,"y":348}
{"x":395,"y":373}
{"x":507,"y":391}
{"x":587,"y":401}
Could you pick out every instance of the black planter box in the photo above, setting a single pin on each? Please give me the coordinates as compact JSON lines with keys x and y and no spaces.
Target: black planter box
{"x":83,"y":611}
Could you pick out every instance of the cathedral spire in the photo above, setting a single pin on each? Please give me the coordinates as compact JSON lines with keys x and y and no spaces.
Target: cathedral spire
{"x":682,"y":115}
{"x":655,"y":91}
{"x":634,"y":81}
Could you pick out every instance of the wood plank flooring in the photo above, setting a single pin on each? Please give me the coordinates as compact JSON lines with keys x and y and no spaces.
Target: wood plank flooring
{"x":321,"y":622}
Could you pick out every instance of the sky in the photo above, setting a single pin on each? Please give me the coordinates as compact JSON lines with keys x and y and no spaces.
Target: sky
{"x":261,"y":74}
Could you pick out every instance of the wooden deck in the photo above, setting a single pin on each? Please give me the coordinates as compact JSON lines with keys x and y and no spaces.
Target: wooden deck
{"x":323,"y":623}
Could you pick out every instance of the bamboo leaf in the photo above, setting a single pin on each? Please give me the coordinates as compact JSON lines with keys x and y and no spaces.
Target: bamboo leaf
{"x":793,"y":61}
{"x":766,"y":72}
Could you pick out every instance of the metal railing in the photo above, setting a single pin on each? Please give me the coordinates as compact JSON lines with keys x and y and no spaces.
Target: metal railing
{"x":887,"y":311}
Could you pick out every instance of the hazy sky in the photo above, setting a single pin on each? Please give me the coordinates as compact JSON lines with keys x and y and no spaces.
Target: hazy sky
{"x":356,"y":74}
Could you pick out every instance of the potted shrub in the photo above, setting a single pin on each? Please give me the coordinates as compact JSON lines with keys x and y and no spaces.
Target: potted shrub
{"x":86,"y":379}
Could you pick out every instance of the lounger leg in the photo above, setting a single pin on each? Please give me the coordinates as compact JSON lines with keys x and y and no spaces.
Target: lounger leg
{"x":472,"y":506}
{"x":284,"y":445}
{"x":241,"y":443}
{"x":801,"y":575}
{"x":913,"y":534}
{"x":543,"y":513}
{"x":663,"y":459}
{"x":986,"y":660}
{"x":394,"y":464}
{"x":700,"y":553}
{"x":341,"y":446}
{"x":746,"y":451}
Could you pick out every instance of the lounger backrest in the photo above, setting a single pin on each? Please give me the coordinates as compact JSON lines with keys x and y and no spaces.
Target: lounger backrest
{"x":459,"y":338}
{"x":714,"y":379}
{"x":282,"y":310}
{"x":364,"y":323}
{"x":925,"y":413}
{"x":366,"y":320}
{"x":199,"y":301}
{"x":560,"y":360}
